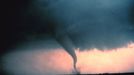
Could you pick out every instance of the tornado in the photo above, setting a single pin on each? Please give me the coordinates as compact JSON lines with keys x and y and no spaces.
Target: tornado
{"x":69,"y":47}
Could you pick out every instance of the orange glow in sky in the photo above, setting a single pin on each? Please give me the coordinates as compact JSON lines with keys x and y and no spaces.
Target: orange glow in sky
{"x":59,"y":61}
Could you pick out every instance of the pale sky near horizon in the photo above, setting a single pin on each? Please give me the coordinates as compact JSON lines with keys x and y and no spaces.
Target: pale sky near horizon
{"x":35,"y":60}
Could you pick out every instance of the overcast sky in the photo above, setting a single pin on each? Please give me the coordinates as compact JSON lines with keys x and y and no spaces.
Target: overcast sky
{"x":99,"y":24}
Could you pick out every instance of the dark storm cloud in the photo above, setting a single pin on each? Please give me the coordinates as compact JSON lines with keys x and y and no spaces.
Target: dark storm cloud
{"x":94,"y":23}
